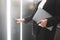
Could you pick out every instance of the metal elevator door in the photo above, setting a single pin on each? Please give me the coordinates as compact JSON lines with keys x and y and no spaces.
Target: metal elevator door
{"x":3,"y":22}
{"x":15,"y":13}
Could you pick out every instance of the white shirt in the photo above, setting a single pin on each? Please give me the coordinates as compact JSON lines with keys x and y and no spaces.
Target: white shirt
{"x":42,"y":4}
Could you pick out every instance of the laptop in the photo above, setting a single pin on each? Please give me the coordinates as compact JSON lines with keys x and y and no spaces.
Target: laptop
{"x":41,"y":14}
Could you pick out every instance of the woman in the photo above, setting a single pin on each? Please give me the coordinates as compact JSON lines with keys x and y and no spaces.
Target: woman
{"x":51,"y":6}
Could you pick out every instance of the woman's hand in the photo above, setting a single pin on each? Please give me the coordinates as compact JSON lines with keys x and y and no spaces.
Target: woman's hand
{"x":43,"y":23}
{"x":20,"y":20}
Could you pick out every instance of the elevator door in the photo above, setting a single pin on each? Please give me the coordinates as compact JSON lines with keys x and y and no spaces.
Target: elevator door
{"x":15,"y":13}
{"x":3,"y":22}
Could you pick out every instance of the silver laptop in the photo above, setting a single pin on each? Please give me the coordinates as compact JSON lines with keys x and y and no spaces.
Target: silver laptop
{"x":41,"y":14}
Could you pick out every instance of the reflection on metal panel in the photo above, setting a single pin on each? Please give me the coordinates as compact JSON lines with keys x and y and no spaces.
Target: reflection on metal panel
{"x":15,"y":13}
{"x":0,"y":23}
{"x":27,"y":11}
{"x":57,"y":35}
{"x":3,"y":20}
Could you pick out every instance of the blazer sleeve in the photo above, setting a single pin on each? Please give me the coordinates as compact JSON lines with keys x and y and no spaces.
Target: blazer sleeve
{"x":53,"y":21}
{"x":29,"y":18}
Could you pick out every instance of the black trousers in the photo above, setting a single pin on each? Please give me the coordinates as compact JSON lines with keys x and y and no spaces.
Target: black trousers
{"x":44,"y":34}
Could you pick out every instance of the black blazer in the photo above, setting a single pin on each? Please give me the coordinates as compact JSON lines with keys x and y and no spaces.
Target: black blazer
{"x":51,"y":6}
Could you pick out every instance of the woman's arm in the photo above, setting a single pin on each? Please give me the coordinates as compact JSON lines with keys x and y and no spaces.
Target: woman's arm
{"x":49,"y":21}
{"x":53,"y":21}
{"x":29,"y":18}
